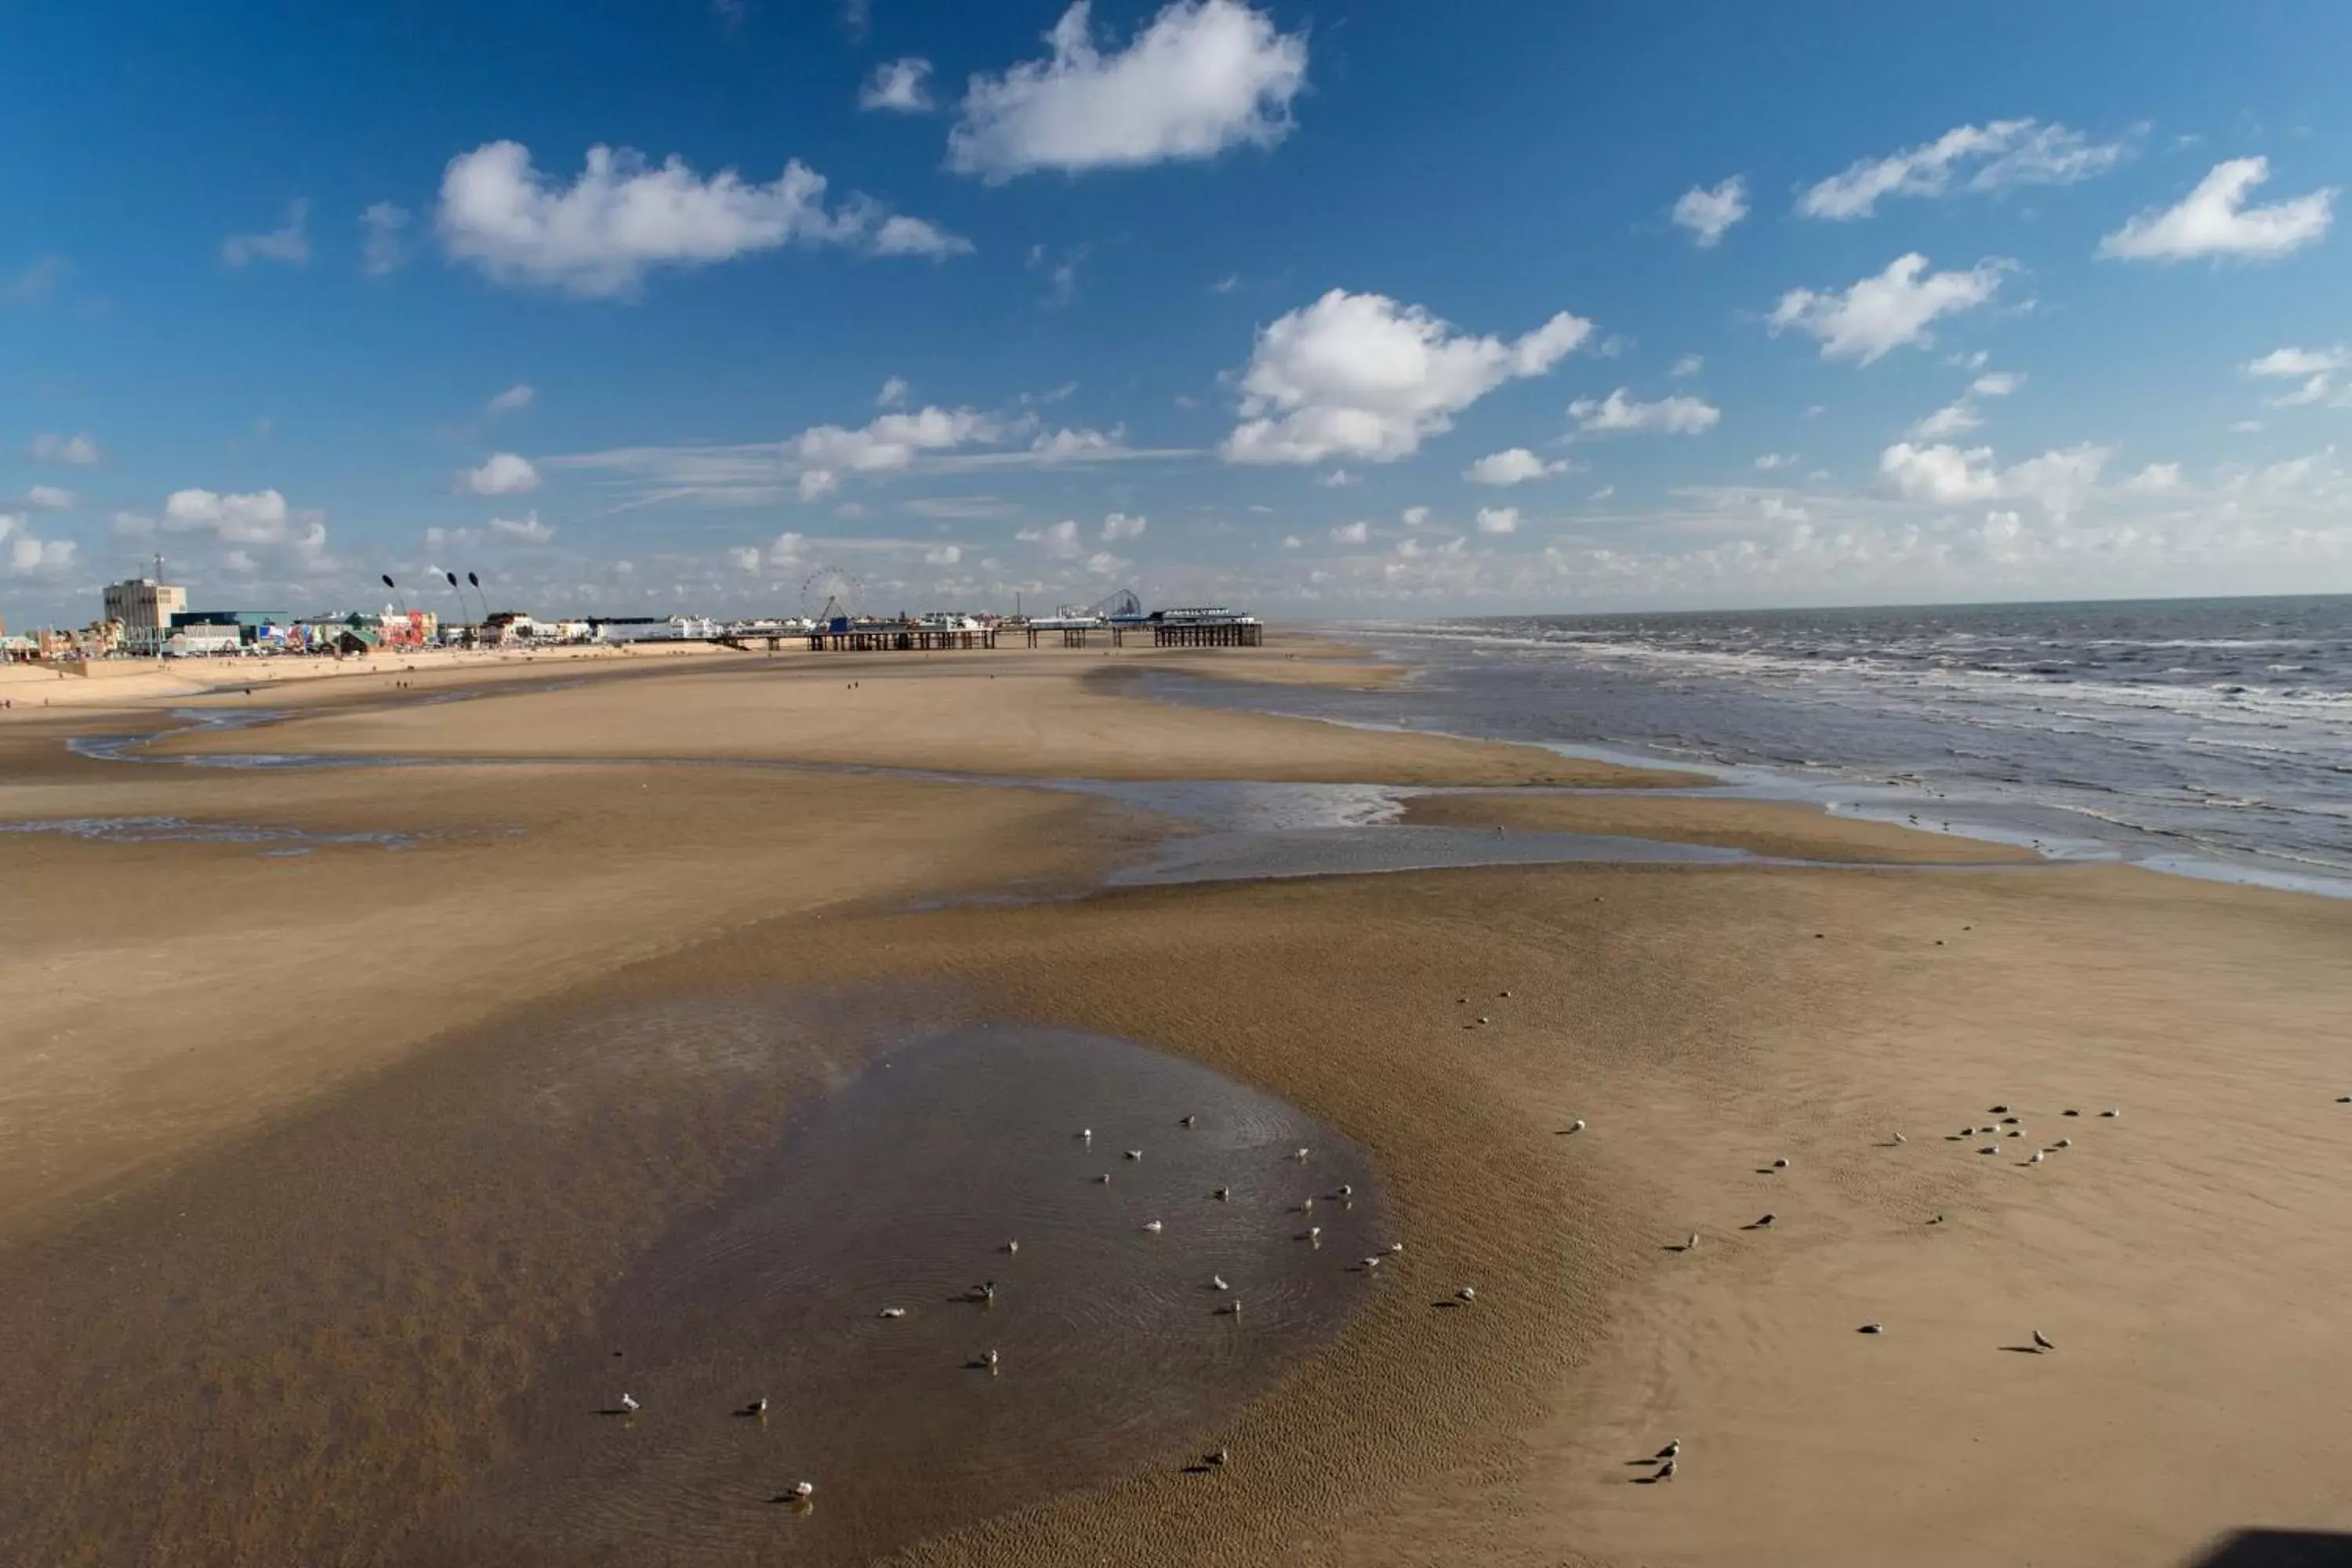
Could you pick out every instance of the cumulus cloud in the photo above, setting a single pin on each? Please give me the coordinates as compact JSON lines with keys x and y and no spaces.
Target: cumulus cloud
{"x":81,"y":451}
{"x":1961,"y":416}
{"x":1709,"y":213}
{"x":2058,"y":481}
{"x":524,"y":530}
{"x":513,"y":400}
{"x":1619,"y":412}
{"x":890,"y":441}
{"x":255,"y":517}
{"x":2157,"y":480}
{"x":1358,"y":376}
{"x":1996,"y":156}
{"x":502,"y":474}
{"x":48,"y":498}
{"x":1203,"y":76}
{"x":1414,"y":516}
{"x":1118,"y":525}
{"x":384,"y":238}
{"x":943,"y":555}
{"x":1512,"y":466}
{"x":787,"y":549}
{"x":1352,"y":533}
{"x":1689,"y":364}
{"x":1882,"y":313}
{"x":1059,"y":538}
{"x":893,"y":392}
{"x":1772,"y":460}
{"x":23,"y":555}
{"x":2215,"y":220}
{"x":1498,"y":520}
{"x":623,"y":217}
{"x":744,"y":558}
{"x":290,"y":244}
{"x":900,"y":87}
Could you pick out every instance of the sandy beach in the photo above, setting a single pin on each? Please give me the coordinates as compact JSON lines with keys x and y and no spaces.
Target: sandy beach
{"x":351,"y":1115}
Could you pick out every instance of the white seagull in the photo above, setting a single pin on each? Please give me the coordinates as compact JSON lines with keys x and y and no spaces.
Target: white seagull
{"x":2042,"y":1341}
{"x":1781,"y":1163}
{"x":804,"y":1489}
{"x":629,"y":1403}
{"x":1897,"y":1140}
{"x":2063,"y":1143}
{"x":1395,"y":1247}
{"x":1577,"y":1125}
{"x":1135,"y":1153}
{"x":1298,"y":1153}
{"x":1152,"y":1225}
{"x":1672,"y":1451}
{"x":1217,"y":1282}
{"x":1465,"y":1294}
{"x":1223,"y":1194}
{"x":894,"y":1312}
{"x":1666,"y":1472}
{"x":991,"y":1360}
{"x":2036,"y":1160}
{"x":1231,"y":1308}
{"x":1691,"y":1244}
{"x":1874,"y":1328}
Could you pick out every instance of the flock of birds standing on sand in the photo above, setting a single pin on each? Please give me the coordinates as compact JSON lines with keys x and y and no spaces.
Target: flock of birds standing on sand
{"x":799,"y":1495}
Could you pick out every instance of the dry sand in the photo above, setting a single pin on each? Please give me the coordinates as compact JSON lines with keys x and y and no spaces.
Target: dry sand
{"x":335,"y":1291}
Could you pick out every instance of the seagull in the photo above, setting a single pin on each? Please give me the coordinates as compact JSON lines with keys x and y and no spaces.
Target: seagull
{"x":1103,"y":1179}
{"x":2063,"y":1143}
{"x":984,"y":1291}
{"x":2008,"y":1121}
{"x":1998,"y":1110}
{"x":2014,"y":1133}
{"x":1874,"y":1328}
{"x":894,"y":1312}
{"x":1012,"y":1246}
{"x":1189,"y":1121}
{"x":991,"y":1360}
{"x":1217,"y":1282}
{"x":1308,"y":1207}
{"x":1395,"y":1247}
{"x":2070,"y":1110}
{"x":1372,"y":1263}
{"x":629,"y":1403}
{"x":757,"y":1407}
{"x":1897,"y":1140}
{"x":2042,"y":1341}
{"x":1218,"y":1457}
{"x":2036,"y":1158}
{"x":1666,"y":1472}
{"x":1483,"y":1019}
{"x":1085,"y":1134}
{"x":1692,"y":1245}
{"x":1577,"y":1125}
{"x":804,"y":1489}
{"x":1231,"y":1308}
{"x":1506,"y":996}
{"x":1938,"y":1220}
{"x":1781,"y":1163}
{"x":1765,"y":1222}
{"x":1135,"y":1153}
{"x":1298,"y":1153}
{"x":1223,"y":1194}
{"x":2111,"y":1114}
{"x":1988,"y":1149}
{"x":1347,"y":1190}
{"x":1315,"y":1234}
{"x":1465,"y":1294}
{"x":1153,"y":1226}
{"x":1671,"y":1451}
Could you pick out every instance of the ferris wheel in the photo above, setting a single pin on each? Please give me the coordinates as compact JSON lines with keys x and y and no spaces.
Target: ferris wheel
{"x":829,"y":592}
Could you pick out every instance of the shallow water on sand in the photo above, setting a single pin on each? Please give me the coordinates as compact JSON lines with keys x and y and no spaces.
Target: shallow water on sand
{"x":901,"y":1189}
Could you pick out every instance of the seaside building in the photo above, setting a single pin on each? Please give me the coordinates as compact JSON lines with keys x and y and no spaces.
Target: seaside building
{"x":143,"y":608}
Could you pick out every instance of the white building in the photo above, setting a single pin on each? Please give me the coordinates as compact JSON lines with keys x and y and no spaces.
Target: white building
{"x":144,"y":607}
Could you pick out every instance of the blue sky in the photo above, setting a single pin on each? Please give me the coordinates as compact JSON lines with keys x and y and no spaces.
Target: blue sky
{"x":1347,"y":310}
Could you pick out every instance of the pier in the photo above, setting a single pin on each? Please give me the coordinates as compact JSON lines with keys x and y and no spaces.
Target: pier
{"x":900,"y":638}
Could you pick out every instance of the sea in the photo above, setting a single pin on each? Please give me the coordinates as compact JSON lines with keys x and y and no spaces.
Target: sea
{"x":2208,"y":737}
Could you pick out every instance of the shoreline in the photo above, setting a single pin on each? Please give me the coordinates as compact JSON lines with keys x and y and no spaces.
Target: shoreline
{"x":1691,"y":1013}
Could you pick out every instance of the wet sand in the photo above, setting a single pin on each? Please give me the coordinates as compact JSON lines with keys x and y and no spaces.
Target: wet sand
{"x":1775,"y":829}
{"x":319,"y":1326}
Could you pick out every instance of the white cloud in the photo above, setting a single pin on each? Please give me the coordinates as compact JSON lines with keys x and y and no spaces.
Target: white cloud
{"x":902,"y":236}
{"x":1709,"y":213}
{"x":1059,"y":539}
{"x":24,"y":555}
{"x":1772,"y":460}
{"x":1291,"y":542}
{"x":1118,"y":525}
{"x":524,"y":530}
{"x":1358,"y":376}
{"x":1955,"y":418}
{"x":1689,"y":364}
{"x":133,"y":525}
{"x":384,"y":238}
{"x":900,"y":87}
{"x":513,"y":400}
{"x":78,"y":451}
{"x":1227,"y":284}
{"x":744,"y":558}
{"x":1414,"y":516}
{"x":943,"y":555}
{"x":1204,"y":76}
{"x":1667,"y":417}
{"x":1352,"y":533}
{"x":2316,"y":368}
{"x":623,"y":217}
{"x":290,"y":244}
{"x":2003,"y":153}
{"x":2215,"y":220}
{"x":502,"y":474}
{"x":2300,"y":363}
{"x":1512,"y":466}
{"x":2245,"y":427}
{"x":1337,"y":479}
{"x":1498,"y":520}
{"x":1996,"y":384}
{"x":889,"y":441}
{"x":260,"y":516}
{"x":893,"y":392}
{"x":2058,"y":481}
{"x":1103,"y":564}
{"x":2157,"y":480}
{"x":1884,"y":312}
